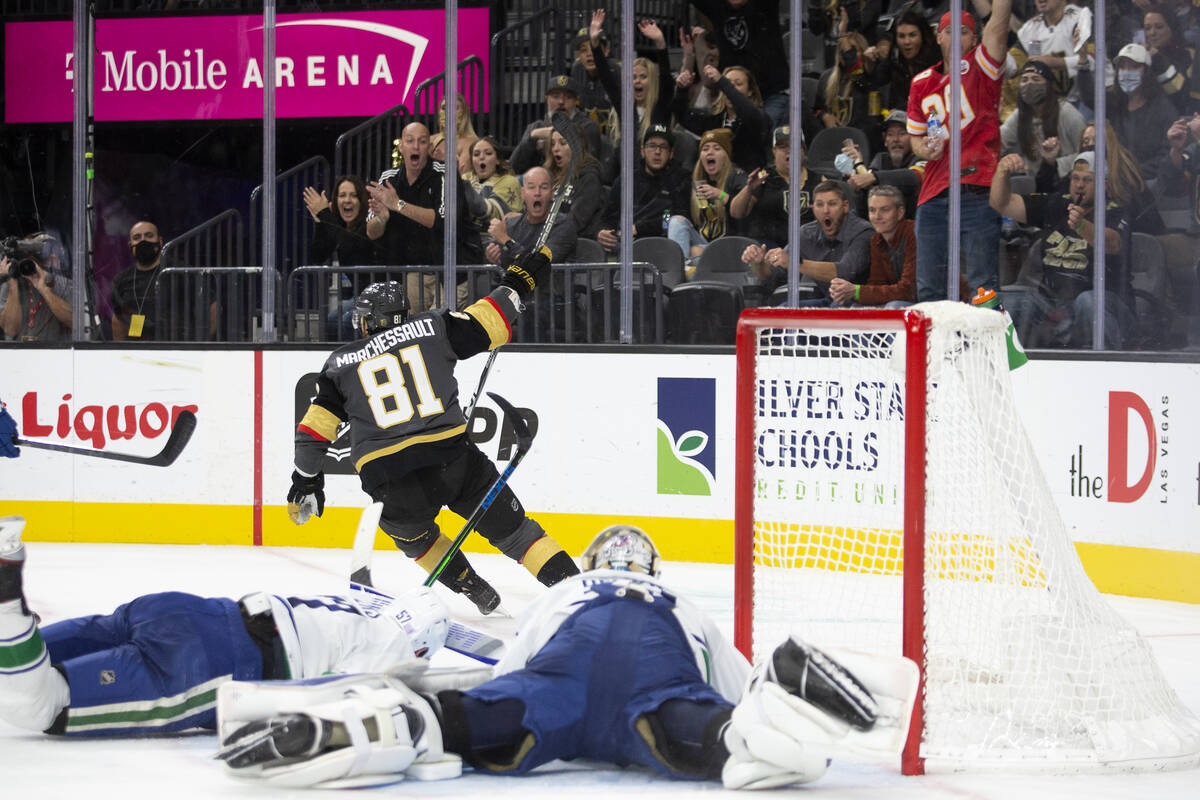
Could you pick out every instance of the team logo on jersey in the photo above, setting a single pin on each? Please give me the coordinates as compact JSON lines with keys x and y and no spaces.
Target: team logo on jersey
{"x":687,"y":425}
{"x":107,"y":677}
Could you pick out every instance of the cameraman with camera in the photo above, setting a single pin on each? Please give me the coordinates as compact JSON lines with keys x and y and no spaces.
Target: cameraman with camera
{"x":34,"y":304}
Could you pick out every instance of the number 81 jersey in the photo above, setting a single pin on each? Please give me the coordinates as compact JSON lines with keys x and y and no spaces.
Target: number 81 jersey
{"x":397,"y":389}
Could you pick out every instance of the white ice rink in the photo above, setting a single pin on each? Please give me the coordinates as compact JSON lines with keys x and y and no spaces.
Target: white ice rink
{"x":64,"y":580}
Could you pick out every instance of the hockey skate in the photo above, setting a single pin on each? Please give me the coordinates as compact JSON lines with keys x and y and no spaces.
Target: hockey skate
{"x":12,"y":560}
{"x":478,"y":591}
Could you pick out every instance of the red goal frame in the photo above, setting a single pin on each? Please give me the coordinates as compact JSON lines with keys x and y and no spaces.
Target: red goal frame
{"x":915,"y":327}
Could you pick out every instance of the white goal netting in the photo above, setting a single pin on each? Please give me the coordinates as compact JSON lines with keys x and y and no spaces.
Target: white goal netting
{"x":1025,"y":663}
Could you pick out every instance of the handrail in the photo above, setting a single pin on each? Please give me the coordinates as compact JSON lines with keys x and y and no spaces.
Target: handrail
{"x":362,"y":126}
{"x":208,"y":223}
{"x":288,"y":173}
{"x":425,"y":84}
{"x":549,"y":10}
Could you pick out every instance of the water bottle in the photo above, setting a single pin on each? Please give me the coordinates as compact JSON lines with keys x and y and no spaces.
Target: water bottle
{"x":935,"y":130}
{"x":844,"y":164}
{"x":987,"y":298}
{"x":666,"y":221}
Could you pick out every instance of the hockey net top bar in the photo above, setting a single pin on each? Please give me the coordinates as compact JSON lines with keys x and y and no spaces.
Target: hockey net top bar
{"x":887,"y":499}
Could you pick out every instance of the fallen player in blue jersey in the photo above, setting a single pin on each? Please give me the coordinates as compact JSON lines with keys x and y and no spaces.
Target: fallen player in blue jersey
{"x":154,"y":664}
{"x":611,"y":666}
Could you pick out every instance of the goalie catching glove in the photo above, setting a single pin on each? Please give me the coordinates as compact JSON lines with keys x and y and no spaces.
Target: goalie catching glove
{"x":524,"y":275}
{"x":306,"y":497}
{"x":351,"y":731}
{"x":802,"y":707}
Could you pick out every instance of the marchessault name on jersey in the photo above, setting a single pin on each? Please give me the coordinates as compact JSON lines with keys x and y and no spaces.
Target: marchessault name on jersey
{"x":382,"y":342}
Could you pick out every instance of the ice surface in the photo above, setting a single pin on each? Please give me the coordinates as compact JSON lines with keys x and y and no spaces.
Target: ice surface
{"x":65,"y":580}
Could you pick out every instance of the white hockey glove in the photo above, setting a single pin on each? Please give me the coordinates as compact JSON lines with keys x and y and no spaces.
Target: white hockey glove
{"x":802,"y":707}
{"x":358,"y":730}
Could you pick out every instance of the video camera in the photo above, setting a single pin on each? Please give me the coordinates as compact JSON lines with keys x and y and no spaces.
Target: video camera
{"x":24,"y":256}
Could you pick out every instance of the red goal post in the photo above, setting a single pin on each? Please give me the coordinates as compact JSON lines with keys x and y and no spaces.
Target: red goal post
{"x":914,"y":327}
{"x":887,"y":499}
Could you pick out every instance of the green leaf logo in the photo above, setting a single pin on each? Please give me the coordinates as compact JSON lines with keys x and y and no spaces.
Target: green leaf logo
{"x":678,"y":472}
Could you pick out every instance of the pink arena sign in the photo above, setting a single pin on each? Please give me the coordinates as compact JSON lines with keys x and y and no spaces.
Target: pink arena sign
{"x":327,"y":65}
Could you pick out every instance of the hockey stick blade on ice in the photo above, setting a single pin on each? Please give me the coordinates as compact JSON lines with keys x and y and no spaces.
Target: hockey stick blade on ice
{"x":181,"y":432}
{"x":524,"y":441}
{"x":364,"y":544}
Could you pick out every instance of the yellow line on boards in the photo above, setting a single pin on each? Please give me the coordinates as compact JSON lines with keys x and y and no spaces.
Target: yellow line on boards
{"x":1115,"y":569}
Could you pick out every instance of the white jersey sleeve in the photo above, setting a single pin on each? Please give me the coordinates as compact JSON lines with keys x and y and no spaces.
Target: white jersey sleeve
{"x":723,"y":667}
{"x":327,"y":634}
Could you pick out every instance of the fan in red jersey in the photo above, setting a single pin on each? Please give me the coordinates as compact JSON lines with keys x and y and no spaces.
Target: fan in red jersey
{"x":928,"y":104}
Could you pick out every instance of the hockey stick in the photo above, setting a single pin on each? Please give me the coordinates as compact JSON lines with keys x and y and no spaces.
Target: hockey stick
{"x":524,"y":441}
{"x":364,"y":545}
{"x":566,"y":129}
{"x":181,"y":432}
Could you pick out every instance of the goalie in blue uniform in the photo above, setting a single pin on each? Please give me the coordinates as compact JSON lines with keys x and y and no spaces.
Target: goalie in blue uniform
{"x":611,"y":666}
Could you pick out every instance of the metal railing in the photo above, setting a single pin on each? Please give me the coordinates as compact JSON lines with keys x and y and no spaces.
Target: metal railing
{"x":524,"y":57}
{"x":579,"y":304}
{"x":427,"y":97}
{"x":217,"y":242}
{"x":366,"y":149}
{"x":208,"y":304}
{"x":292,"y":235}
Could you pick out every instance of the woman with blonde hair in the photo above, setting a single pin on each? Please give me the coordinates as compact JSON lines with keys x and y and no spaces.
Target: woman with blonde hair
{"x":716,"y":180}
{"x":651,"y":78}
{"x":737,"y":108}
{"x":465,"y":132}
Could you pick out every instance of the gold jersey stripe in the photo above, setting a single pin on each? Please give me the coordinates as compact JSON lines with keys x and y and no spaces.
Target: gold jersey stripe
{"x":434,"y":554}
{"x":409,"y":442}
{"x":488,"y":315}
{"x":539,"y":553}
{"x":321,"y":421}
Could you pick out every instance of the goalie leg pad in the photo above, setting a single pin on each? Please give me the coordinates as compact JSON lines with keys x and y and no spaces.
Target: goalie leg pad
{"x":353,"y":731}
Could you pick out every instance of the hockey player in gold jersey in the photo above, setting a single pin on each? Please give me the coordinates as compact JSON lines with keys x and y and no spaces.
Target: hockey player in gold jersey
{"x":409,"y":436}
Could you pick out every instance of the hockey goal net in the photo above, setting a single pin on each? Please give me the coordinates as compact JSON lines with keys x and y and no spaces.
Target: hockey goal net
{"x":888,"y":500}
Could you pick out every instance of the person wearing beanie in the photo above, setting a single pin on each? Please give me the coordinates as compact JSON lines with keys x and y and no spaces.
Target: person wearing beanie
{"x":1045,"y":127}
{"x":715,"y":182}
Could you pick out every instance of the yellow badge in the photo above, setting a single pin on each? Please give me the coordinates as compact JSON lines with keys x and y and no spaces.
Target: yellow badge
{"x":136,"y":321}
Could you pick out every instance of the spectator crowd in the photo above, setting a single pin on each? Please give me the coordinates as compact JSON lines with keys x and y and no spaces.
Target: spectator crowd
{"x":713,"y":149}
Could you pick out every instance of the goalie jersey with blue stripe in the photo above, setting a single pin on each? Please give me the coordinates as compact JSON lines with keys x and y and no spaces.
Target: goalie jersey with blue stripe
{"x":594,"y":663}
{"x":153,"y":665}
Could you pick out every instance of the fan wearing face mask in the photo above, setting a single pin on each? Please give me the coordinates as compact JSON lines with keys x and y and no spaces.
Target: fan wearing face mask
{"x":1044,"y":128}
{"x":1139,"y":110}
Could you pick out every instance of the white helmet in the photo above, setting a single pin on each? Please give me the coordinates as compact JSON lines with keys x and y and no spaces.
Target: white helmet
{"x":622,"y":547}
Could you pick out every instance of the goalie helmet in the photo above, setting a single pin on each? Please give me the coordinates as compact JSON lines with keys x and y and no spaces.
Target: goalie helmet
{"x":380,"y":306}
{"x":622,"y":547}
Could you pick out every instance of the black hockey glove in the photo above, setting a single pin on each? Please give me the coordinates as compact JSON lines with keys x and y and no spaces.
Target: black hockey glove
{"x":306,"y":497}
{"x":528,"y":271}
